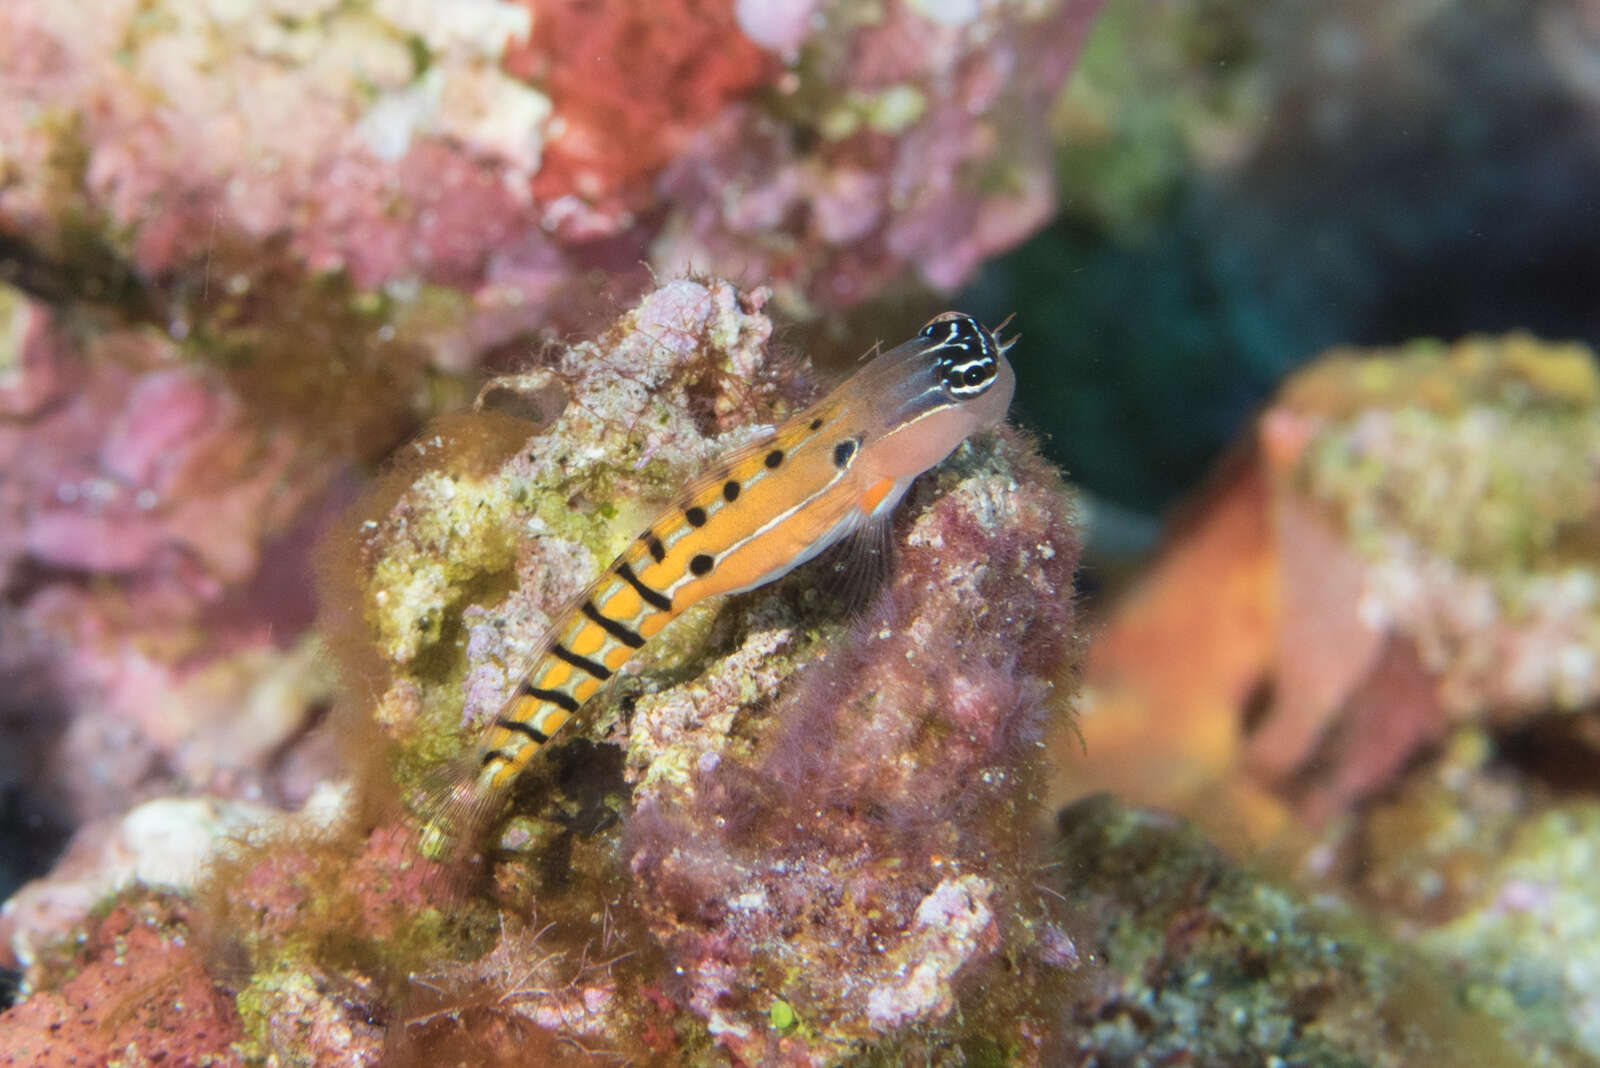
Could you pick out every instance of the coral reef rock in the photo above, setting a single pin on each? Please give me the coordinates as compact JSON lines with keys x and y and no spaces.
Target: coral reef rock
{"x":1407,"y":550}
{"x":804,"y":831}
{"x":1195,"y":960}
{"x":817,"y":819}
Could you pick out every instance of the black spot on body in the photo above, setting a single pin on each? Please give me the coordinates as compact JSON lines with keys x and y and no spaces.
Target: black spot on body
{"x":730,"y":491}
{"x":658,"y":552}
{"x":696,"y":516}
{"x":701,"y":564}
{"x":775,"y":457}
{"x":816,"y":424}
{"x":844,"y":452}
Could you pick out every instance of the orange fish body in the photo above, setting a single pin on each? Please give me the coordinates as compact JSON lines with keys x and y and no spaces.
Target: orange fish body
{"x":834,"y":470}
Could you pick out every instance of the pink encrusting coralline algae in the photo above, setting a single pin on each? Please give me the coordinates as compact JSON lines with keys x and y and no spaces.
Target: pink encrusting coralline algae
{"x":480,"y":161}
{"x":255,"y":246}
{"x":139,"y":503}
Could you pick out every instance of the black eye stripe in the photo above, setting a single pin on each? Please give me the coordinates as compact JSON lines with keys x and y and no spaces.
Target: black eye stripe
{"x":967,"y":374}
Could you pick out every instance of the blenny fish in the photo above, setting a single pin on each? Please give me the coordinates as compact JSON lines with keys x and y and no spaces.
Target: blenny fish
{"x":834,"y":471}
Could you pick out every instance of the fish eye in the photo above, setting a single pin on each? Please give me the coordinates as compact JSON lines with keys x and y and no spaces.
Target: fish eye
{"x":967,"y":380}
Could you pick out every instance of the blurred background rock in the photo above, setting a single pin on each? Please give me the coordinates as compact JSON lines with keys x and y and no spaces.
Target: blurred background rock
{"x":1307,"y":297}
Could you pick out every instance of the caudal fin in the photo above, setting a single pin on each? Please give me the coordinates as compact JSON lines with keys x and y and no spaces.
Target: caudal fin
{"x":457,"y":811}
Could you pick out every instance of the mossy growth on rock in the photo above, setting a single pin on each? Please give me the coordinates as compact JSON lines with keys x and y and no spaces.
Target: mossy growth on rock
{"x":799,"y":832}
{"x":1192,"y":958}
{"x":1467,"y":449}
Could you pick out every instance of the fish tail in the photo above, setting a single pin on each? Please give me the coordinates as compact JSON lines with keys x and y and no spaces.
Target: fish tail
{"x":457,"y":809}
{"x":461,"y":802}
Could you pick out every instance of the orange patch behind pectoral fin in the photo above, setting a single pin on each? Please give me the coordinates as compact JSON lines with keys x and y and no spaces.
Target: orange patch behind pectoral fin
{"x":877,"y":494}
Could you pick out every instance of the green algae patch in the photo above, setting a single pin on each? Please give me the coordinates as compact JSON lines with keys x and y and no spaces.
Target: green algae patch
{"x":260,"y":1008}
{"x":1518,"y":949}
{"x":782,"y":1016}
{"x":459,"y":537}
{"x":1196,"y":957}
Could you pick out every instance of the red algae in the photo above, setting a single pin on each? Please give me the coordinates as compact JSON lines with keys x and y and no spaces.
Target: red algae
{"x":630,"y":82}
{"x":140,"y":993}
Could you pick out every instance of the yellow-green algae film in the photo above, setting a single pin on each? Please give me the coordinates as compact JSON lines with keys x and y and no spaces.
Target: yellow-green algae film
{"x":1469,"y":448}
